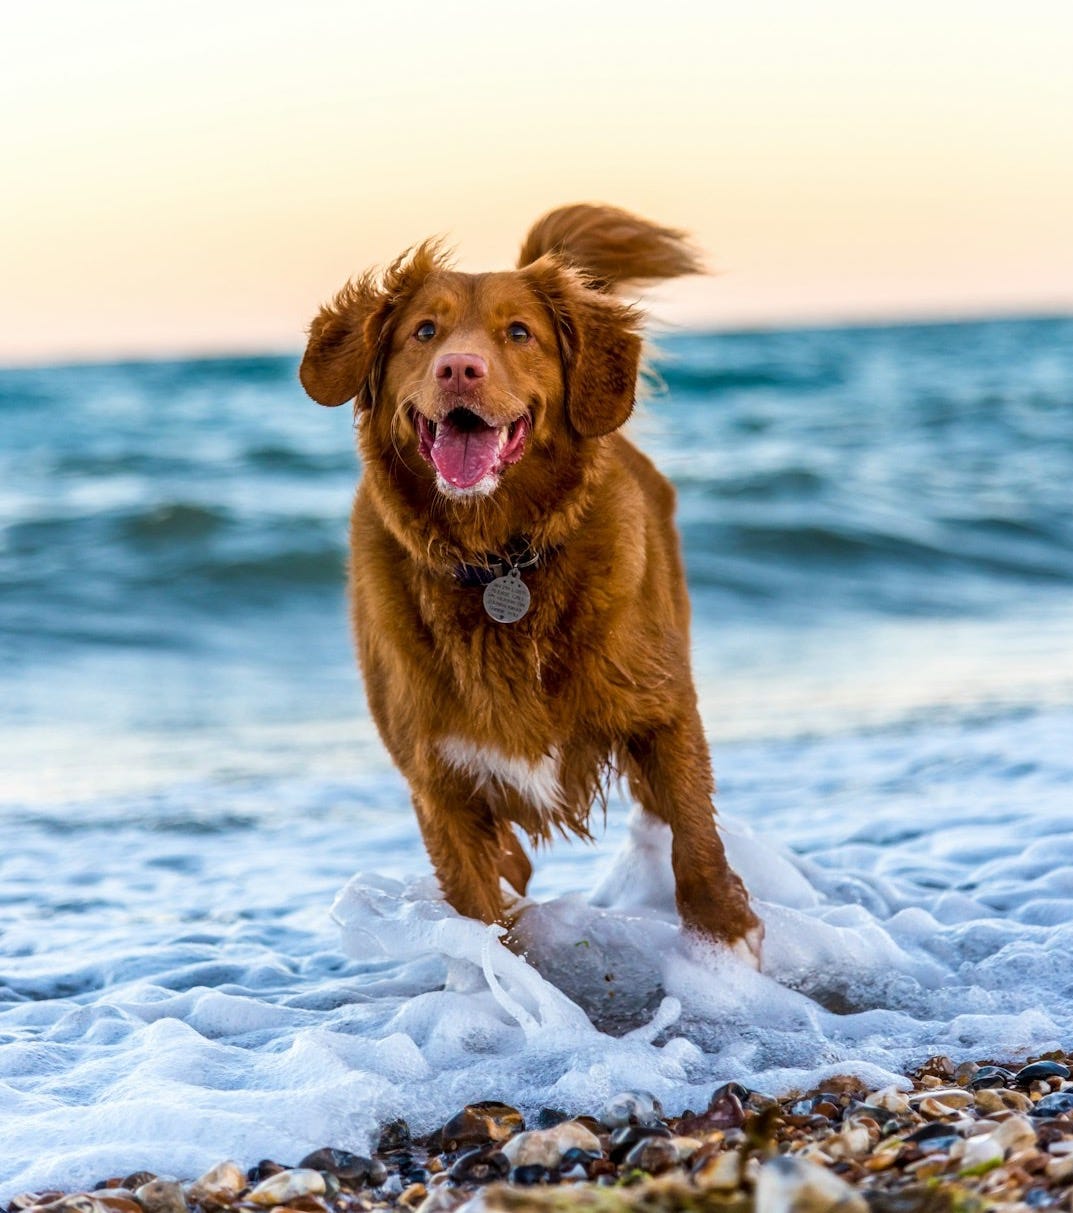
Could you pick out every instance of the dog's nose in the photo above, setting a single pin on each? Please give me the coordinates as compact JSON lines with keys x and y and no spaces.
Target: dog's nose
{"x":460,"y":372}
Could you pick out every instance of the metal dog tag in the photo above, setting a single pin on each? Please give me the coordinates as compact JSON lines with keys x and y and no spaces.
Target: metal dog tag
{"x":507,"y":598}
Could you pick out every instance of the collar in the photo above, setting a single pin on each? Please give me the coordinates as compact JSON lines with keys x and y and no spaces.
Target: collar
{"x":518,"y":555}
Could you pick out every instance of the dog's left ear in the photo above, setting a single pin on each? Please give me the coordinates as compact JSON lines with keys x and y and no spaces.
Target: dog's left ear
{"x":343,"y":339}
{"x":603,"y":356}
{"x":600,"y":346}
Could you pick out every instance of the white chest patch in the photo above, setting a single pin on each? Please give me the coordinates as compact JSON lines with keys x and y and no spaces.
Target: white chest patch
{"x":537,"y":781}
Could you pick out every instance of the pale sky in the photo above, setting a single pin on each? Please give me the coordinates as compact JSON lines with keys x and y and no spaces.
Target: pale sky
{"x":198,"y":177}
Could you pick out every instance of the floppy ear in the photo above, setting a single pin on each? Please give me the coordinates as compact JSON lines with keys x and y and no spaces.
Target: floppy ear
{"x":343,"y":341}
{"x":600,"y":346}
{"x":349,"y":338}
{"x":602,"y":364}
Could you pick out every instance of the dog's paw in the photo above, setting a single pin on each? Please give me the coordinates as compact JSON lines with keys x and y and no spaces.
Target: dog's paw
{"x":749,"y":947}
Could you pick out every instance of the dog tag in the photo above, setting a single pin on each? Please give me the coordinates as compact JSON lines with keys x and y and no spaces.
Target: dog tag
{"x":507,"y":598}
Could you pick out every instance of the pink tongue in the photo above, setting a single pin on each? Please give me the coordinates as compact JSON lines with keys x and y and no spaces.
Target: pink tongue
{"x":463,"y":457}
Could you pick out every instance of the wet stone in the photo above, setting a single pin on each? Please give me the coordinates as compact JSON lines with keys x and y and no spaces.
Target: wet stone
{"x":395,"y":1135}
{"x":481,"y":1124}
{"x":134,"y":1181}
{"x":1054,"y":1104}
{"x":576,"y":1157}
{"x":412,"y":1197}
{"x":119,"y":1202}
{"x":80,"y":1202}
{"x":218,"y":1187}
{"x":631,"y":1108}
{"x":1040,"y":1071}
{"x":867,"y":1111}
{"x":532,"y":1173}
{"x":653,"y":1155}
{"x":726,"y":1112}
{"x":739,"y":1092}
{"x":991,"y":1076}
{"x":354,"y":1168}
{"x":548,"y":1118}
{"x":789,"y":1183}
{"x":263,"y":1169}
{"x":623,"y":1140}
{"x":999,"y":1099}
{"x":480,"y":1166}
{"x":161,"y":1196}
{"x":549,"y":1147}
{"x":930,"y":1132}
{"x":285,"y":1187}
{"x":939,"y":1066}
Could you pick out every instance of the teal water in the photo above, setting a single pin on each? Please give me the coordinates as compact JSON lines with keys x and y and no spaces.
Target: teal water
{"x":879,"y":538}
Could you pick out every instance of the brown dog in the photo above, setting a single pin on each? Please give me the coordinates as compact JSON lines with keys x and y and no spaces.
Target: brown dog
{"x":517,"y":588}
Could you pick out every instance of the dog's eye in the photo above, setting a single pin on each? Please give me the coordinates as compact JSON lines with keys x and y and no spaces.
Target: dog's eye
{"x":425,"y":331}
{"x":518,"y":332}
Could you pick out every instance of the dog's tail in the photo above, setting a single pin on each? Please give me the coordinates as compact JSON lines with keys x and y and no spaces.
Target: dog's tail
{"x":611,"y":247}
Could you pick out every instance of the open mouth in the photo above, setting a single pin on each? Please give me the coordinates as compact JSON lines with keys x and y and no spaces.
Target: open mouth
{"x":466,"y":451}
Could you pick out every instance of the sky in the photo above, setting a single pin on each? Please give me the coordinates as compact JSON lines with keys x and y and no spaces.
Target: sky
{"x":199,"y":177}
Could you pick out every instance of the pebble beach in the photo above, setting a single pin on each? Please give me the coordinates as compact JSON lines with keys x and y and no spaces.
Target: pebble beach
{"x":952,"y":1137}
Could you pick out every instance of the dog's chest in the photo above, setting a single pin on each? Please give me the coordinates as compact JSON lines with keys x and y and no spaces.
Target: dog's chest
{"x":537,"y":782}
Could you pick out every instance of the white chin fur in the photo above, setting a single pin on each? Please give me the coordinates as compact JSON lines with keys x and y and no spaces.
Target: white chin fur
{"x":483,"y":488}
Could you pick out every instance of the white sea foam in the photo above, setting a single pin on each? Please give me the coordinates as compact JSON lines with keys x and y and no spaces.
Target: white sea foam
{"x":179,"y":994}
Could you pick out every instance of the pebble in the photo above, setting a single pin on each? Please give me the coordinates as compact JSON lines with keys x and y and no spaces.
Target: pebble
{"x":1040,"y":1070}
{"x":720,"y":1172}
{"x":991,"y":1076}
{"x":286,"y":1186}
{"x":481,"y":1124}
{"x":119,"y":1202}
{"x":1060,"y":1168}
{"x":951,"y":1097}
{"x":343,"y":1165}
{"x":998,"y":1099}
{"x":653,"y":1155}
{"x":161,"y":1196}
{"x":623,"y":1140}
{"x":1016,"y":1133}
{"x":998,"y":1139}
{"x":480,"y":1166}
{"x":631,"y":1108}
{"x":890,"y":1099}
{"x":794,"y":1185}
{"x":529,"y":1174}
{"x":395,"y":1135}
{"x":1054,"y":1104}
{"x":726,"y":1111}
{"x":136,"y":1179}
{"x":546,"y":1147}
{"x":218,"y":1187}
{"x":79,"y":1202}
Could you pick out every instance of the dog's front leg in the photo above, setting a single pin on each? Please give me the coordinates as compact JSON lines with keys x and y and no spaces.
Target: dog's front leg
{"x":465,"y":844}
{"x":670,"y":774}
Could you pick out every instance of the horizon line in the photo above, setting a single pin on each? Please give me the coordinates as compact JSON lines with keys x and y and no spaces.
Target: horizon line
{"x":660,"y":330}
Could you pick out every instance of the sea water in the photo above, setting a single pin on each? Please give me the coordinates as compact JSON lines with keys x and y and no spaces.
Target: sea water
{"x":220,"y":935}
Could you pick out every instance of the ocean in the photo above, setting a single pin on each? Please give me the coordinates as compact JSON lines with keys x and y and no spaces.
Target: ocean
{"x":219,"y":935}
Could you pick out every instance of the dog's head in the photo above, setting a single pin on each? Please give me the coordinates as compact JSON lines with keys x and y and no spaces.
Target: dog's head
{"x":475,"y":373}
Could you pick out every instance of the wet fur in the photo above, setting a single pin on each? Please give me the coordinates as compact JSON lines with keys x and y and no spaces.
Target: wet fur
{"x":597,"y":673}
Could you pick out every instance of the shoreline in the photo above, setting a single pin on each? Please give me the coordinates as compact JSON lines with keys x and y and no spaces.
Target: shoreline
{"x":972,"y":1136}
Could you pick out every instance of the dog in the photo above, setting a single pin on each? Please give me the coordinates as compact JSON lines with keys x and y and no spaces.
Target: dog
{"x":516,"y":582}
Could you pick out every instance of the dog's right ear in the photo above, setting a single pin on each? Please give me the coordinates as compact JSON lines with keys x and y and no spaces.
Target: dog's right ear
{"x":350,"y":337}
{"x":344,"y":340}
